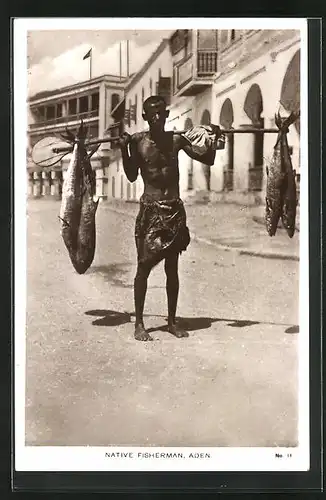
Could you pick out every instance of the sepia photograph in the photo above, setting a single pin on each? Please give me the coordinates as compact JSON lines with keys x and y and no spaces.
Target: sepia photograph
{"x":161,"y":244}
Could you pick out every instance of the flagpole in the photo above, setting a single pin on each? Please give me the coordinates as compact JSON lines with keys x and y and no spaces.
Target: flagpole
{"x":127,"y":58}
{"x":120,"y":61}
{"x":90,"y":65}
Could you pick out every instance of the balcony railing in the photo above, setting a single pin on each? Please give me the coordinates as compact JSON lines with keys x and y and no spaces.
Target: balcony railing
{"x":206,"y":62}
{"x":186,"y":71}
{"x":64,"y":119}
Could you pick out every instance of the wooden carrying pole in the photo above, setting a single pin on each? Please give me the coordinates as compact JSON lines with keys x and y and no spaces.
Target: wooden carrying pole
{"x":179,"y":132}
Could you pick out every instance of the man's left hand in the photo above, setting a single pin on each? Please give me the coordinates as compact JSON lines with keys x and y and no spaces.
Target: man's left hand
{"x":217,"y":136}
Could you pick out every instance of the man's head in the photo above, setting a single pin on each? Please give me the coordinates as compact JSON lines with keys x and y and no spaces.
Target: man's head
{"x":155,"y":112}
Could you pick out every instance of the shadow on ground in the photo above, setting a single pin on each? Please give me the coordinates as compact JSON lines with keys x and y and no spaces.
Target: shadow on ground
{"x":117,"y":274}
{"x":114,"y":273}
{"x":108,"y":317}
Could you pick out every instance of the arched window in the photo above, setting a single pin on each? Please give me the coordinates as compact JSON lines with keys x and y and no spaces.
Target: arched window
{"x":188,"y":123}
{"x":206,"y":118}
{"x":253,"y":105}
{"x":190,"y":185}
{"x":113,"y":187}
{"x":135,"y":111}
{"x":114,"y":101}
{"x":226,"y":120}
{"x":226,"y":115}
{"x":253,"y":108}
{"x":130,"y":113}
{"x":290,"y":93}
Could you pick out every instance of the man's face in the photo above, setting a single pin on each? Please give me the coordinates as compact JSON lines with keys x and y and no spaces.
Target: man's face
{"x":156,"y":115}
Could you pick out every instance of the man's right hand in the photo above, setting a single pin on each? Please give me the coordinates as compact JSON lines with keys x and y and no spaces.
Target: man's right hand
{"x":124,"y":140}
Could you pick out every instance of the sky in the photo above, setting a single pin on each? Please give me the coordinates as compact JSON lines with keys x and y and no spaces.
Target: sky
{"x":55,"y":57}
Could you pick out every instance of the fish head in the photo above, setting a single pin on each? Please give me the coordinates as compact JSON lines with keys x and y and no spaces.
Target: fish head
{"x":278,"y":120}
{"x":68,"y":136}
{"x":94,"y":206}
{"x":283,"y":123}
{"x":82,"y":132}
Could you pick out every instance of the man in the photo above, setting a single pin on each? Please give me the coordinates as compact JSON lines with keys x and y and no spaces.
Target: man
{"x":161,"y":231}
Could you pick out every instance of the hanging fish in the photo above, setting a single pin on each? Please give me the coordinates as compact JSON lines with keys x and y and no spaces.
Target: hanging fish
{"x":281,"y":199}
{"x":78,"y":206}
{"x":289,"y":207}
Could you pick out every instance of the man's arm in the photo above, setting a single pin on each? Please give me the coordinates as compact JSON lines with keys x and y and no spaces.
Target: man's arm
{"x":130,"y":162}
{"x":207,"y":158}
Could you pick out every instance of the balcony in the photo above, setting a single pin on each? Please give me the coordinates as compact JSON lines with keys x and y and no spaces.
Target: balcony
{"x":62,"y":120}
{"x":195,"y":73}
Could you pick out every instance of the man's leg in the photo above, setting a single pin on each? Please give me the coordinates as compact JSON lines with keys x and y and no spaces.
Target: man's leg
{"x":172,"y":290}
{"x":140,"y":288}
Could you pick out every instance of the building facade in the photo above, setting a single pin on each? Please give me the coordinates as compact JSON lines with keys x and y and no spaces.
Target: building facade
{"x":259,"y":73}
{"x":50,"y":112}
{"x":234,"y":78}
{"x":195,"y":62}
{"x":152,"y":79}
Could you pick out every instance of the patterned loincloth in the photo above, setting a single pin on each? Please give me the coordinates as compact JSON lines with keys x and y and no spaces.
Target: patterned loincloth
{"x":161,"y":229}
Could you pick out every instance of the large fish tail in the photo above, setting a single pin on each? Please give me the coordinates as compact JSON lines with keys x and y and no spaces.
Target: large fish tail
{"x":273,"y":210}
{"x":281,"y":189}
{"x":86,"y":238}
{"x":82,"y":240}
{"x":289,"y":207}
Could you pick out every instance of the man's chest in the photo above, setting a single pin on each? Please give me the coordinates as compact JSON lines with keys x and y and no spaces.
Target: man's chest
{"x":162,"y":153}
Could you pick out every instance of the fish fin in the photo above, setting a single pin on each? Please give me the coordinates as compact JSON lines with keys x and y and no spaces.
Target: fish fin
{"x":68,"y":136}
{"x":278,"y":120}
{"x":93,"y":151}
{"x":82,"y":131}
{"x":293,"y":116}
{"x":63,"y":221}
{"x":96,"y":203}
{"x":289,"y":120}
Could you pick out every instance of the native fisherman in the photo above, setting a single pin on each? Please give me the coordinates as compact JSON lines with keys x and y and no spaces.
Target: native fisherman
{"x":161,"y":231}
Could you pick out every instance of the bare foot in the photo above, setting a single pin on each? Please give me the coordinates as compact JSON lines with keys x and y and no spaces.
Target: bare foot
{"x":141,"y":334}
{"x":177,"y":331}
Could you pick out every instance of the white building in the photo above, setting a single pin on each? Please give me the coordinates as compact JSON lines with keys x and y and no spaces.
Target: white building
{"x":195,"y":63}
{"x":153,"y":78}
{"x":50,"y":112}
{"x":259,"y":72}
{"x":233,"y":78}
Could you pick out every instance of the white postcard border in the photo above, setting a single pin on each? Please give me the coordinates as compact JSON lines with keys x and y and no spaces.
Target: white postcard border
{"x":98,"y":458}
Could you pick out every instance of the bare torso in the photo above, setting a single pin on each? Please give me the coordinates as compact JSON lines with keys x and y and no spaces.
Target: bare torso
{"x":158,"y":162}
